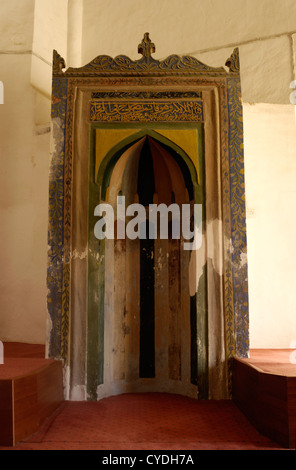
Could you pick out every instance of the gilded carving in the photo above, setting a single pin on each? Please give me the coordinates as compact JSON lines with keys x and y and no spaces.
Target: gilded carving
{"x":122,"y":64}
{"x":149,"y":95}
{"x":146,"y":47}
{"x":58,"y":63}
{"x":143,"y":111}
{"x":233,"y":62}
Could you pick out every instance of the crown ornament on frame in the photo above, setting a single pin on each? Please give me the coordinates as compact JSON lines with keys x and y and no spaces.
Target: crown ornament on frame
{"x":123,"y":64}
{"x":146,"y":48}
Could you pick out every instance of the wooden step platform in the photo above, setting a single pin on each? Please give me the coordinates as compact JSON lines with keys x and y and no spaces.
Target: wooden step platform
{"x":264,"y":388}
{"x":31,"y":388}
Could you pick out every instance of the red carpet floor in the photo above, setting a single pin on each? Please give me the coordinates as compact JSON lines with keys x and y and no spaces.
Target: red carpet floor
{"x":147,"y":422}
{"x":137,"y":421}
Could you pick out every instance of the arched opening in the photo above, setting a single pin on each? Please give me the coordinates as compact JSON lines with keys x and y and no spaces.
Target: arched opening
{"x":150,"y":318}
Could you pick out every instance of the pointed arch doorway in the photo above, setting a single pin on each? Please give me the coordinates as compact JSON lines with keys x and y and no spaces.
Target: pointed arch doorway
{"x":150,"y":319}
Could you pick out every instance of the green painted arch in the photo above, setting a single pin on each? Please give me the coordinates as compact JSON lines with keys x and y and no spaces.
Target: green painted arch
{"x":182,"y":158}
{"x":96,"y":265}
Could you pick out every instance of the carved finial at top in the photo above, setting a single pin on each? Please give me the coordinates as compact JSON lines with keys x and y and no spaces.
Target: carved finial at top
{"x":233,"y":61}
{"x":146,"y":48}
{"x":58,"y":63}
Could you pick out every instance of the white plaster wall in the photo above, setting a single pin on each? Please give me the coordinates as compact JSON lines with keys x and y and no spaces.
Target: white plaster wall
{"x":181,"y":26}
{"x":208,"y":30}
{"x":265,"y":32}
{"x":50,"y":32}
{"x":74,"y":38}
{"x":17,"y":19}
{"x":23,"y":201}
{"x":270,"y":168}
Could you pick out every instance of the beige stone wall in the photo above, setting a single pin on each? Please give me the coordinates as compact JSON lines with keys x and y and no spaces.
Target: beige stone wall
{"x":264,"y":30}
{"x":270,"y":168}
{"x":205,"y":29}
{"x":23,"y":183}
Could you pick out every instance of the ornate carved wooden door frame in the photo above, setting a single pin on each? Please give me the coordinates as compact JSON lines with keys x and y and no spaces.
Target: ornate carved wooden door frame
{"x":146,"y":92}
